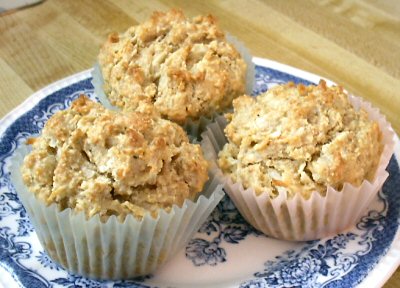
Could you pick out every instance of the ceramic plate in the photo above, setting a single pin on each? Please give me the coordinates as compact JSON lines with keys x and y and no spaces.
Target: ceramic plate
{"x":226,"y":252}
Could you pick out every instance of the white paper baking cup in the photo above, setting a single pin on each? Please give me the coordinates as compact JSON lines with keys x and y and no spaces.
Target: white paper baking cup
{"x":114,"y":250}
{"x":246,"y":55}
{"x":193,"y":127}
{"x":297,"y":218}
{"x":98,"y":84}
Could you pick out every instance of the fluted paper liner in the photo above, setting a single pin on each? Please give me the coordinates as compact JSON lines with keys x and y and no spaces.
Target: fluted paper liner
{"x":194,"y":127}
{"x":245,"y":53}
{"x":297,"y":218}
{"x":114,"y":250}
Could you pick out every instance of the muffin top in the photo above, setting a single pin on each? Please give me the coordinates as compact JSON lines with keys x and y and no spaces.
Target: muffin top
{"x":185,"y":68}
{"x":299,"y":139}
{"x":104,"y":162}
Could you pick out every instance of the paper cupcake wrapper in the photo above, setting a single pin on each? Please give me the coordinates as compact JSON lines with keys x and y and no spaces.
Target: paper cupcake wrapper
{"x":114,"y":250}
{"x":98,"y":84}
{"x":246,"y":55}
{"x":193,"y":127}
{"x":297,"y":218}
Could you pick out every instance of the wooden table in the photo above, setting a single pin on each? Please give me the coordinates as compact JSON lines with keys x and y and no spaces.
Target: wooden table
{"x":354,"y":43}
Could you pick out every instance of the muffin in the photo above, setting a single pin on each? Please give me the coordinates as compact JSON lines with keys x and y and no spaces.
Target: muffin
{"x":185,"y":68}
{"x":105,"y":189}
{"x":303,"y":161}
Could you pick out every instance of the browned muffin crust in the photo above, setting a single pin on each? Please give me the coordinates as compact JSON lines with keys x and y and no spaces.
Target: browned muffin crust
{"x":299,"y":139}
{"x":104,"y":162}
{"x":184,"y":67}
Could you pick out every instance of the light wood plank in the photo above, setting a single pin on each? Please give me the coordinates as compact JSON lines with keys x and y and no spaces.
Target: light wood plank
{"x":13,"y":88}
{"x":29,"y":56}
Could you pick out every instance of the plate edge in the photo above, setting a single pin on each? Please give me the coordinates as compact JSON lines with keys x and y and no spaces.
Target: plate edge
{"x":389,"y":261}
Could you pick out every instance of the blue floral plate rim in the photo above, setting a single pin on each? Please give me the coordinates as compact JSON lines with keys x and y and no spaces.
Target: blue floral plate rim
{"x":381,"y":270}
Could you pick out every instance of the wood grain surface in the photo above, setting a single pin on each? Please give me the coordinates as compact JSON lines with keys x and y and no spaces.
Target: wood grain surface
{"x":352,"y":42}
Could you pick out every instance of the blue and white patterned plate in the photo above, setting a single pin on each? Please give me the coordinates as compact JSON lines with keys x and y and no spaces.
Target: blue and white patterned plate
{"x":226,"y":252}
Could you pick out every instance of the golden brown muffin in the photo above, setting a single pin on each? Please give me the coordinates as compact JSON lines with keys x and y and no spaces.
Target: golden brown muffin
{"x":185,"y":68}
{"x":103,"y":162}
{"x":299,"y":139}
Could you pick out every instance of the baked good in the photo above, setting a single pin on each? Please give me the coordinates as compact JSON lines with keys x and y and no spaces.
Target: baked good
{"x":184,"y":67}
{"x":103,"y":162}
{"x":113,"y":195}
{"x":301,"y":162}
{"x":299,"y":139}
